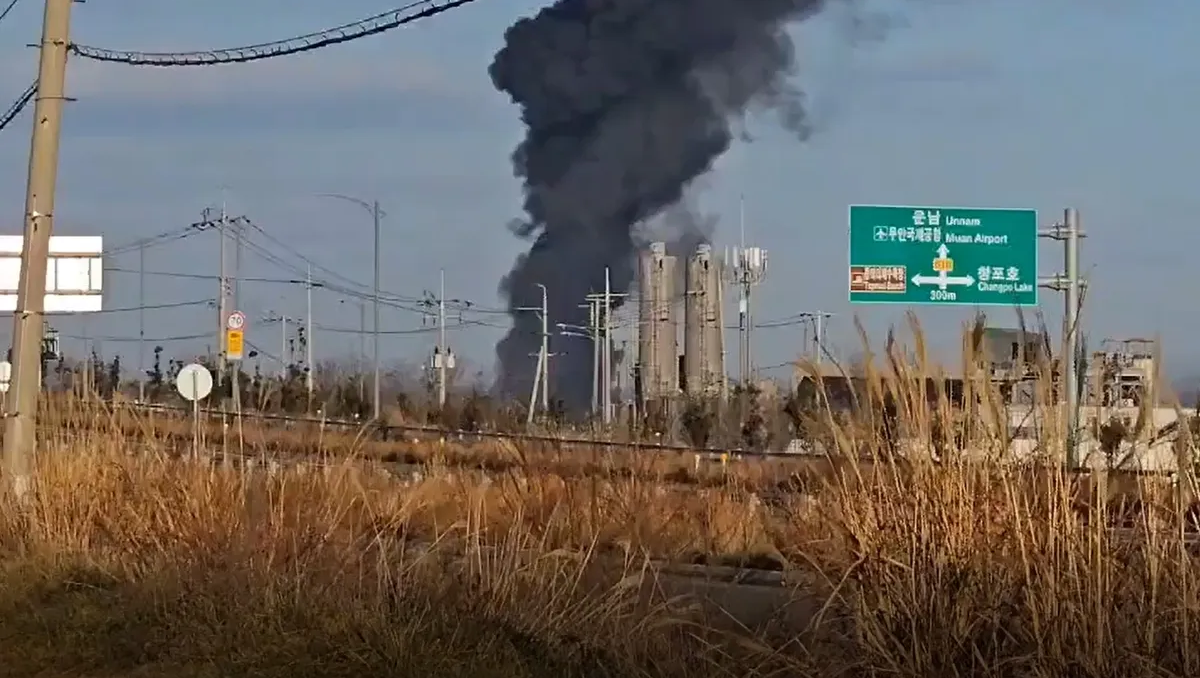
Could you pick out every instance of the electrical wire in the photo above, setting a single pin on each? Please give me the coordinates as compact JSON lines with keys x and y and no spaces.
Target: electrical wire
{"x":18,"y":106}
{"x":9,"y":8}
{"x":152,"y":340}
{"x":205,"y":276}
{"x":154,"y":307}
{"x":362,"y":28}
{"x":415,"y":330}
{"x":163,"y":238}
{"x":325,"y":270}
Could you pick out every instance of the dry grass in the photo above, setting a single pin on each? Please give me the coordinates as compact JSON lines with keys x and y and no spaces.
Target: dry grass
{"x":146,"y":565}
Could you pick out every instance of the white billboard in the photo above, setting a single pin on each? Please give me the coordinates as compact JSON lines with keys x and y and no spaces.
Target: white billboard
{"x":74,"y":275}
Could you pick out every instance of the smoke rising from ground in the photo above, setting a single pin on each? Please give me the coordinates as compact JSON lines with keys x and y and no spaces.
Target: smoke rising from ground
{"x":626,"y":103}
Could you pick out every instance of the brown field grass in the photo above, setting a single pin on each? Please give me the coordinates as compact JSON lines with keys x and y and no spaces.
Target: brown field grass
{"x":141,"y":564}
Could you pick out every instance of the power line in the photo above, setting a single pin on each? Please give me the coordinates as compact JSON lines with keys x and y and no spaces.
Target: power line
{"x":18,"y":105}
{"x":153,"y":340}
{"x":203,"y":276}
{"x":9,"y":8}
{"x":362,"y":28}
{"x":415,"y":330}
{"x":153,"y":307}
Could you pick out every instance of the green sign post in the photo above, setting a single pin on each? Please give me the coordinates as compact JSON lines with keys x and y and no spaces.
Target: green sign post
{"x":943,"y":256}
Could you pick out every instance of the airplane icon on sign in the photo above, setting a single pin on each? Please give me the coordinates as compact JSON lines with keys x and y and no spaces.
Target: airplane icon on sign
{"x":881,"y":233}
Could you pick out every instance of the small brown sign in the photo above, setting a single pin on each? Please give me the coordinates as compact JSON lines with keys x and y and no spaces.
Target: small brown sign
{"x":891,"y":279}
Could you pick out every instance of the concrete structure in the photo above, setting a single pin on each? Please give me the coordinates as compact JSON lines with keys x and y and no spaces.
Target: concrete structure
{"x":658,"y":341}
{"x":703,"y":340}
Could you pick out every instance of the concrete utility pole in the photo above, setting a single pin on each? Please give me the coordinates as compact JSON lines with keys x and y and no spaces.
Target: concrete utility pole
{"x":590,"y":332}
{"x":594,"y":333}
{"x":818,"y":319}
{"x":1069,"y":231}
{"x":20,"y":437}
{"x":377,"y":215}
{"x":142,"y":322}
{"x":309,"y":377}
{"x":545,"y":359}
{"x":541,"y":375}
{"x":222,"y":297}
{"x":283,"y":320}
{"x":443,"y":352}
{"x":606,"y":394}
{"x":601,"y":333}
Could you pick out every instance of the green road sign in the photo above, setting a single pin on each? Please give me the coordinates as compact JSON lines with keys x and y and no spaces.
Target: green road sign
{"x":943,"y":256}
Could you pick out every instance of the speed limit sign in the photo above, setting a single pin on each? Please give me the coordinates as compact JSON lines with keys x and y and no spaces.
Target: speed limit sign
{"x":236,"y":321}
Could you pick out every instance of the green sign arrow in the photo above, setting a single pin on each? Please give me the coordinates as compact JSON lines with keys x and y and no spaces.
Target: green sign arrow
{"x":943,"y":256}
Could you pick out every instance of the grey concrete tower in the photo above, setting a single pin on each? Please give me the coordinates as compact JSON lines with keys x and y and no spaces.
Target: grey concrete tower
{"x":658,"y":342}
{"x":702,"y":335}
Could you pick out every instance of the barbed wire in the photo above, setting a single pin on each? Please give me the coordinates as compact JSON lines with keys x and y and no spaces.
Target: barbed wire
{"x":373,"y":25}
{"x":18,"y":105}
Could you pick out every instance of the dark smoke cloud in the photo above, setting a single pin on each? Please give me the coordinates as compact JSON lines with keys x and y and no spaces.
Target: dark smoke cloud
{"x":625,"y":102}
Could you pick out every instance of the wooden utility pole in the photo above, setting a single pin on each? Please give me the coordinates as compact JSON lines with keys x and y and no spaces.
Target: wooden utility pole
{"x":21,"y":409}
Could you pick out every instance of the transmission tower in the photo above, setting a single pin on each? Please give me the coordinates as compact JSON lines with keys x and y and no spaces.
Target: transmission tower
{"x":747,"y":269}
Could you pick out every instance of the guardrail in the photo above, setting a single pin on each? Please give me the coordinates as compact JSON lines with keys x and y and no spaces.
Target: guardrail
{"x":391,"y":432}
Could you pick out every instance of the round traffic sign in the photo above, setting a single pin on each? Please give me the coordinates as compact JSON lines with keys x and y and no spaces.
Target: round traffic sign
{"x":194,"y":382}
{"x":236,"y":321}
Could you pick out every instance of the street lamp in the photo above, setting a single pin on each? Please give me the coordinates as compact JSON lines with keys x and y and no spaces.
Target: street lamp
{"x":376,"y":216}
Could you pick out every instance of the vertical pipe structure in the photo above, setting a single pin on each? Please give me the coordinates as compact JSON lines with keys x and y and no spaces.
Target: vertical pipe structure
{"x":375,"y":214}
{"x":222,"y":309}
{"x":1071,"y":333}
{"x":283,"y":361}
{"x":237,"y":264}
{"x":362,"y":351}
{"x":443,"y":354}
{"x":545,"y":351}
{"x":594,"y":333}
{"x":141,"y":323}
{"x":606,"y":385}
{"x":309,"y":377}
{"x":20,"y":436}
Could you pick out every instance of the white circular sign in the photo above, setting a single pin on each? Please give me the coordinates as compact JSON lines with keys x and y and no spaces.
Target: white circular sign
{"x":5,"y":375}
{"x":236,"y":321}
{"x":194,"y":382}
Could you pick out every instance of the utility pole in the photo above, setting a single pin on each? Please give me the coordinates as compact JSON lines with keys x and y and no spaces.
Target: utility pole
{"x":142,"y":322}
{"x":222,"y":298}
{"x":376,"y":216}
{"x":283,"y":347}
{"x":601,"y":332}
{"x":443,"y":352}
{"x":237,"y":265}
{"x":1069,"y":231}
{"x":594,"y":333}
{"x":282,"y":319}
{"x":545,"y":361}
{"x":362,"y":351}
{"x":309,"y":377}
{"x":818,"y":319}
{"x":541,"y":376}
{"x":20,"y":436}
{"x":590,"y":332}
{"x":606,"y":394}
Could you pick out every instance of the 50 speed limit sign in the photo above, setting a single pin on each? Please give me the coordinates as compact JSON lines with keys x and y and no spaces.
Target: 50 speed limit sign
{"x":235,"y":321}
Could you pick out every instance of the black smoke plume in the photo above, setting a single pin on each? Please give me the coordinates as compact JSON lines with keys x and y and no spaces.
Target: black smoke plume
{"x":626,"y":102}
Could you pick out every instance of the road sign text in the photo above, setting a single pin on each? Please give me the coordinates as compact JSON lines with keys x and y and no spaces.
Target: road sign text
{"x":943,"y":255}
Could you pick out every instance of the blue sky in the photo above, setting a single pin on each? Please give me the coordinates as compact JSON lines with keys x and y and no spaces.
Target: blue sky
{"x":1024,"y":103}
